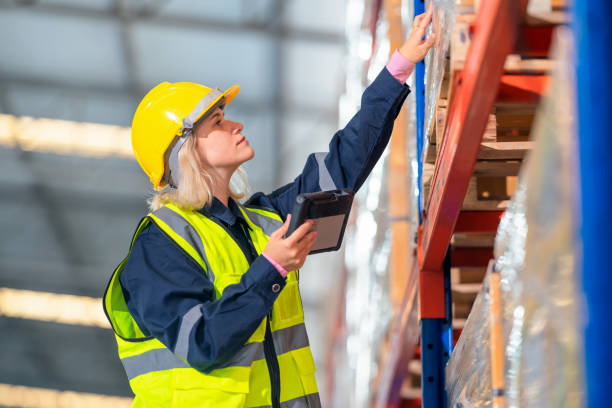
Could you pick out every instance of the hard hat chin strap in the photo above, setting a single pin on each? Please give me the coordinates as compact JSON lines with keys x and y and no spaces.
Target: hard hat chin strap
{"x":174,"y":174}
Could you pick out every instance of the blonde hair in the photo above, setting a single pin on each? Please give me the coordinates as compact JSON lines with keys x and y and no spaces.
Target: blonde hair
{"x":195,"y":186}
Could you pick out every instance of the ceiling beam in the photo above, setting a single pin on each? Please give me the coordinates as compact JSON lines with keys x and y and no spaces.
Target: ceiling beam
{"x":127,"y":48}
{"x":8,"y":80}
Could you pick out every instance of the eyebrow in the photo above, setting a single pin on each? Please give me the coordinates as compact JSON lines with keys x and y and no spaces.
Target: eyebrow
{"x":215,"y":115}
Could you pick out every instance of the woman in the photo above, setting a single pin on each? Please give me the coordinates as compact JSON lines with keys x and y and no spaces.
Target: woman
{"x":206,"y":307}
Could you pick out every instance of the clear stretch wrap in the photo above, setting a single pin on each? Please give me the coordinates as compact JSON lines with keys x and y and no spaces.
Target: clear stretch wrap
{"x":367,"y":307}
{"x":435,"y":61}
{"x":535,"y":250}
{"x":466,"y":383}
{"x":544,"y":361}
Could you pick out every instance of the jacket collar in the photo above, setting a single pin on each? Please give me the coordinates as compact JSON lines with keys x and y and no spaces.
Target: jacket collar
{"x":228,"y":215}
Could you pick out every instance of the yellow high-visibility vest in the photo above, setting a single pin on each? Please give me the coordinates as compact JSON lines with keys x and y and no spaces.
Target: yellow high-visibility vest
{"x":161,"y":377}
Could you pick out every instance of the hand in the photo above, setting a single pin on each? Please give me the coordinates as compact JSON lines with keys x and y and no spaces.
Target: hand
{"x":291,"y":252}
{"x":415,"y":49}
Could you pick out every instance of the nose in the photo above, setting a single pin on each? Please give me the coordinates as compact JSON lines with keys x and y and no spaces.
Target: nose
{"x":237,"y":127}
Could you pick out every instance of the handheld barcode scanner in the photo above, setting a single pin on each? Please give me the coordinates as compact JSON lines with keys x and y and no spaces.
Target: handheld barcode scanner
{"x":329,"y":210}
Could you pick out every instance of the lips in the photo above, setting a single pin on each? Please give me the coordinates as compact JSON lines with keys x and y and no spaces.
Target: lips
{"x":241,"y":140}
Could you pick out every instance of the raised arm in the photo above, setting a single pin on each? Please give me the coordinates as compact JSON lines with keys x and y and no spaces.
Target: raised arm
{"x":355,"y":149}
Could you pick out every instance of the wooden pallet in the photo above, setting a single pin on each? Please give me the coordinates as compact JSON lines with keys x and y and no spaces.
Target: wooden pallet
{"x":485,"y":193}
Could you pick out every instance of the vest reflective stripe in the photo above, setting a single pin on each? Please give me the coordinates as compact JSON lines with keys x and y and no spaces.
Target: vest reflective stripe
{"x":164,"y":359}
{"x":185,"y":230}
{"x":308,"y":401}
{"x":285,"y":340}
{"x":325,"y":179}
{"x":290,"y":338}
{"x":267,"y":224}
{"x":152,"y":360}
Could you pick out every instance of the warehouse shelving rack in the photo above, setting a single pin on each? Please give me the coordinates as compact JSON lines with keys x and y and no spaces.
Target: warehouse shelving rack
{"x":495,"y":33}
{"x":494,"y":37}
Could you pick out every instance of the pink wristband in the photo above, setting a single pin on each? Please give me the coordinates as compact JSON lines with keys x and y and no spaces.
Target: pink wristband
{"x":278,"y":267}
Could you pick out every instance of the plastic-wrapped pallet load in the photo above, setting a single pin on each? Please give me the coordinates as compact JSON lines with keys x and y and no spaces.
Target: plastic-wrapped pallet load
{"x":435,"y":62}
{"x":367,"y":306}
{"x":535,"y":250}
{"x":467,"y":386}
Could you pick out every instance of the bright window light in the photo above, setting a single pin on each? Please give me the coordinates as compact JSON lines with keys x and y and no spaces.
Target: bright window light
{"x":52,"y":307}
{"x":65,"y":137}
{"x":30,"y":397}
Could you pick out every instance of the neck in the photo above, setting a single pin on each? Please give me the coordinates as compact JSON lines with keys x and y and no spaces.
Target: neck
{"x":222,"y":189}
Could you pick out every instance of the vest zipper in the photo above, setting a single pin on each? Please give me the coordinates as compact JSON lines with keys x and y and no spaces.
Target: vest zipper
{"x":269,"y":351}
{"x":272,"y":362}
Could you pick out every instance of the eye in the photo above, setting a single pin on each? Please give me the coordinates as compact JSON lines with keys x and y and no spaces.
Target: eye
{"x":218,"y":123}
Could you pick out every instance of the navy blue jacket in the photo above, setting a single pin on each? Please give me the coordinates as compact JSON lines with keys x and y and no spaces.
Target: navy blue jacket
{"x":161,"y":283}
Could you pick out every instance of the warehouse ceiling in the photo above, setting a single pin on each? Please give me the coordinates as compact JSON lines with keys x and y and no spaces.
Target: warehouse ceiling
{"x":67,"y":218}
{"x":93,"y":61}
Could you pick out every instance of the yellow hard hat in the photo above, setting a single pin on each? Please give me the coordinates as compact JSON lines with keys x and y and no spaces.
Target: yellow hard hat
{"x":163,"y":114}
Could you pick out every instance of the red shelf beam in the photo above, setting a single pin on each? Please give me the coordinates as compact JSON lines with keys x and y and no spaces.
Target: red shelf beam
{"x":534,"y":41}
{"x":478,"y":221}
{"x":471,"y":257}
{"x":522,"y":88}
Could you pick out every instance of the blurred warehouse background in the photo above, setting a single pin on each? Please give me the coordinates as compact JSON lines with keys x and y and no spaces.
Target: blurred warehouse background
{"x":411,"y":311}
{"x":71,"y":75}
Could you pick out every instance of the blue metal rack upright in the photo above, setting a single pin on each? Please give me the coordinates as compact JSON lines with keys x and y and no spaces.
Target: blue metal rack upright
{"x":419,"y":76}
{"x":436,"y":333}
{"x":593,"y":31}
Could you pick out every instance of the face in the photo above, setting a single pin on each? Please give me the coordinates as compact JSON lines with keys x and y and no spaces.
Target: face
{"x":221,"y":145}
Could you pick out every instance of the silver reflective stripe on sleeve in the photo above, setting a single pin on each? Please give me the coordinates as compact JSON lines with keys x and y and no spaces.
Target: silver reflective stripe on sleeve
{"x":308,"y":401}
{"x":326,"y":182}
{"x":152,"y":360}
{"x":195,"y":114}
{"x":187,"y":322}
{"x":290,"y":338}
{"x":267,"y":224}
{"x":187,"y":232}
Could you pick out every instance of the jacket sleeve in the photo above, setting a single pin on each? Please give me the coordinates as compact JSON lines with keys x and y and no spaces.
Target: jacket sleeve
{"x":171,"y":298}
{"x":353,"y":151}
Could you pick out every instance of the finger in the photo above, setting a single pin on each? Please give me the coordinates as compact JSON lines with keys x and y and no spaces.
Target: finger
{"x":308,"y":242}
{"x":430,"y":7}
{"x":417,"y":21}
{"x":279,"y":233}
{"x":422,"y":28}
{"x":301,"y":232}
{"x":431,"y":40}
{"x":428,"y":43}
{"x":306,"y":245}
